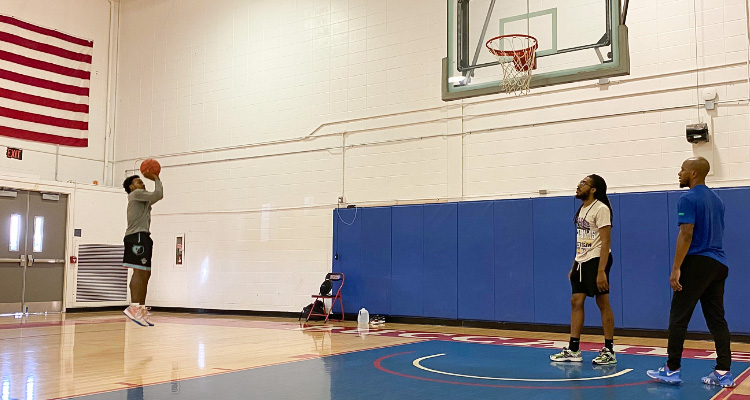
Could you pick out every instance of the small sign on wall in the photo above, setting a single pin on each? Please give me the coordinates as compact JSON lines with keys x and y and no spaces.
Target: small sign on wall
{"x":179,"y":259}
{"x":16,"y":154}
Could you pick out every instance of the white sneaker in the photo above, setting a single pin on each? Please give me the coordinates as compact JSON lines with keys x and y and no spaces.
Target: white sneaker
{"x":567,"y":356}
{"x":605,"y":357}
{"x":135,"y":314}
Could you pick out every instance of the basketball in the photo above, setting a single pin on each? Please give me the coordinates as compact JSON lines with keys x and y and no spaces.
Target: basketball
{"x":150,"y":166}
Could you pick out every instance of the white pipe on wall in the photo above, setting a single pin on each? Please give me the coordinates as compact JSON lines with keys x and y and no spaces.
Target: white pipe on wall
{"x":111,"y":109}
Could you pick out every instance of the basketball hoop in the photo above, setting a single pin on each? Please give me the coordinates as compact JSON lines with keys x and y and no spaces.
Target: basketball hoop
{"x":517,"y":55}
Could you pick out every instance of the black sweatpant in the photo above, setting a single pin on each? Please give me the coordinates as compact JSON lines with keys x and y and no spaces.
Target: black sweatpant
{"x":702,"y":279}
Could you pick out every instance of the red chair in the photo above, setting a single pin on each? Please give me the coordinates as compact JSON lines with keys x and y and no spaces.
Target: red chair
{"x":334,"y":277}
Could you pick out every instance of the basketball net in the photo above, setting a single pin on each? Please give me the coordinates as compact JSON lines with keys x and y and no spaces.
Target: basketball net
{"x":517,"y":57}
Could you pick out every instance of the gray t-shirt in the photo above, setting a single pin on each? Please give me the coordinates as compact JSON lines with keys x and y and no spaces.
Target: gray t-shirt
{"x":139,"y":208}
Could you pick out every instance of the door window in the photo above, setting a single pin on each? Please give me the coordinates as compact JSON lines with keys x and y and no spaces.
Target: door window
{"x":15,"y":231}
{"x":38,"y":234}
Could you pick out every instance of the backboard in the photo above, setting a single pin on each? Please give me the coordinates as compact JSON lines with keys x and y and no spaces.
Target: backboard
{"x":577,"y":40}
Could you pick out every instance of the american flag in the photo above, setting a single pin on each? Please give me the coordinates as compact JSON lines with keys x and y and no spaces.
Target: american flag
{"x":44,"y":84}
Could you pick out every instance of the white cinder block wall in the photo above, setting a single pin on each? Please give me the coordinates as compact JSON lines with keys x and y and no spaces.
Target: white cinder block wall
{"x":263,"y":113}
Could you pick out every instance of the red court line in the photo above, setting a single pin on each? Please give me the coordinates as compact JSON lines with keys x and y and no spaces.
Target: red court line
{"x":482,"y":339}
{"x":378,"y":364}
{"x":494,"y":340}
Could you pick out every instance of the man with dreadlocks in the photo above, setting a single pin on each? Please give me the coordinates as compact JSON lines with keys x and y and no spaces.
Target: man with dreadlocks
{"x":590,"y":273}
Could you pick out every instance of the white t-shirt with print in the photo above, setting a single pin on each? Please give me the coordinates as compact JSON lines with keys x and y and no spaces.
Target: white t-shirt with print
{"x":590,"y":220}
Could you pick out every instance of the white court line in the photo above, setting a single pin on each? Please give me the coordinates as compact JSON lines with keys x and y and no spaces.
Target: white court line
{"x":417,"y":364}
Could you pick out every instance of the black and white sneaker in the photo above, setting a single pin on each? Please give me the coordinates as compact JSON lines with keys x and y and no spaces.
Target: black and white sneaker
{"x":605,"y":357}
{"x":567,"y":356}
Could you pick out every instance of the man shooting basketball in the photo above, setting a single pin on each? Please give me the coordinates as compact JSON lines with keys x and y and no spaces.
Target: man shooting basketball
{"x":138,"y":243}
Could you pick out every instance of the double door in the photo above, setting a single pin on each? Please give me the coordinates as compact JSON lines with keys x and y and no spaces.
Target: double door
{"x":32,"y":251}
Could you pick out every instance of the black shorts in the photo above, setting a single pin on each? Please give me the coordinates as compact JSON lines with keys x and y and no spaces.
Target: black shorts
{"x":138,"y":248}
{"x":583,"y":277}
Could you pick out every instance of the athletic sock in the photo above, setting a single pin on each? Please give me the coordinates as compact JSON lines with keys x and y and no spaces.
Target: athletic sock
{"x":574,"y":344}
{"x":609,"y":343}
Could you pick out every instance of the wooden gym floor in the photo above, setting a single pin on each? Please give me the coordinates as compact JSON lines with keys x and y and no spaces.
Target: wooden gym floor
{"x":105,"y":355}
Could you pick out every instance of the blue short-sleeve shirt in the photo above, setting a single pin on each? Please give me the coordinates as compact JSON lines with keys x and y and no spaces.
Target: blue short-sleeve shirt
{"x":704,"y":209}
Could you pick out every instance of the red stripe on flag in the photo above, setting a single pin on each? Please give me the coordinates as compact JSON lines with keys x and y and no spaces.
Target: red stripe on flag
{"x":43,"y":119}
{"x":46,"y":31}
{"x":44,"y":101}
{"x":42,"y":137}
{"x":46,"y":48}
{"x":45,"y":66}
{"x":43,"y":83}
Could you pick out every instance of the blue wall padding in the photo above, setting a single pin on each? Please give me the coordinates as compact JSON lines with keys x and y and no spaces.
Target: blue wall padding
{"x":407,"y":262}
{"x":376,"y":259}
{"x":737,"y":248}
{"x":514,"y":261}
{"x":553,"y":252}
{"x":508,"y":260}
{"x":349,"y":243}
{"x":644,"y":247}
{"x":335,"y":246}
{"x":476,"y":261}
{"x":439,"y":286}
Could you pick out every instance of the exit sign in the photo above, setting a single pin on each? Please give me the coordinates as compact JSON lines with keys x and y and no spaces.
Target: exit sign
{"x":14,"y":153}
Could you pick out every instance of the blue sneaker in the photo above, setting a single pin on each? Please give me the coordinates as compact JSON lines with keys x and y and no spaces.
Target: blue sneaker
{"x":666,"y":375}
{"x":726,"y":380}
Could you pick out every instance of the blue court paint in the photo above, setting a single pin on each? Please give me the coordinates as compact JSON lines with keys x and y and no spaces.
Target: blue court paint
{"x":391,"y":373}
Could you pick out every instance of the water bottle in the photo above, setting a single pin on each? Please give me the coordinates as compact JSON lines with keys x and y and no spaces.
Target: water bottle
{"x":363,"y":318}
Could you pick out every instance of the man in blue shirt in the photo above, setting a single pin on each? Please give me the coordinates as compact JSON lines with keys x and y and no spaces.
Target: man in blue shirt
{"x":699,"y":272}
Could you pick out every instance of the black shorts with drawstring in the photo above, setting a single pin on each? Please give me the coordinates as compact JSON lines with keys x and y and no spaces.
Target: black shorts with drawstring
{"x":583,"y":276}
